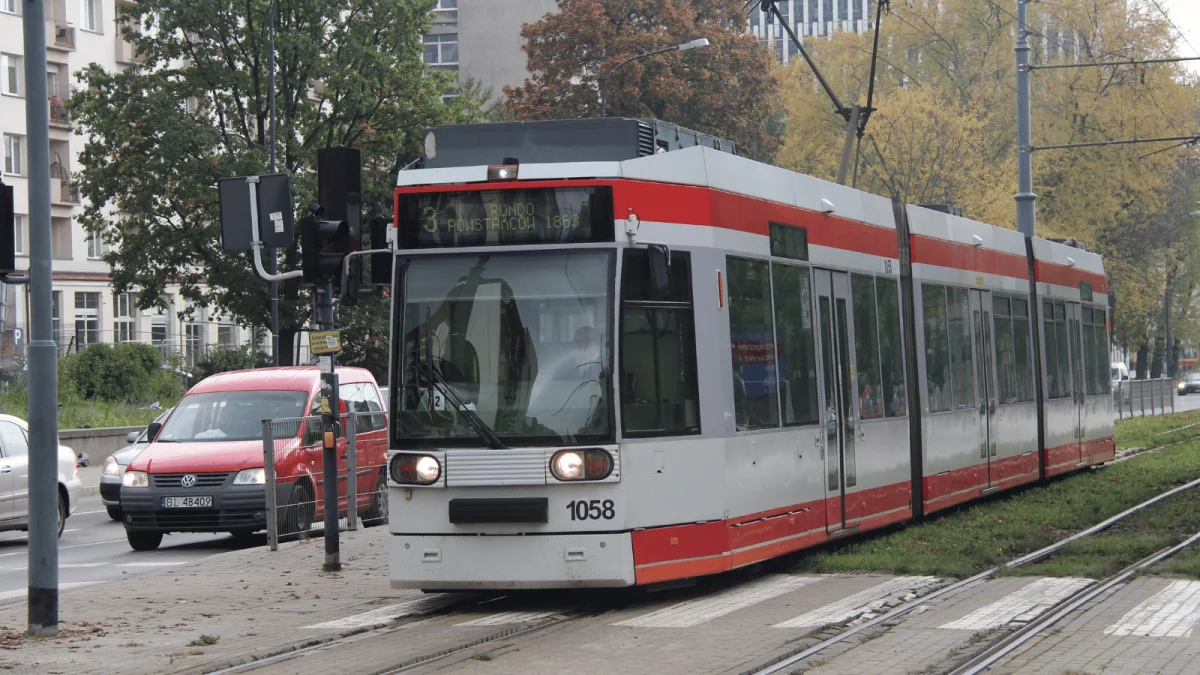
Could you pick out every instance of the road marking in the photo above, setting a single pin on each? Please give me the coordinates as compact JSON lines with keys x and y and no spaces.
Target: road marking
{"x":63,"y":548}
{"x":1172,"y":612}
{"x":860,"y":603}
{"x":504,"y":618}
{"x":697,"y":611}
{"x":22,"y":592}
{"x":1023,"y":605}
{"x":385,"y":615}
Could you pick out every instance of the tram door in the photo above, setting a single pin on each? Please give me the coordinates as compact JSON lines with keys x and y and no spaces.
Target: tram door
{"x":985,"y":377}
{"x":837,"y":365}
{"x":1079,"y":390}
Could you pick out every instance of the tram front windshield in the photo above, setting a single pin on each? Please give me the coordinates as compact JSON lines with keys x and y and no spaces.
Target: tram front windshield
{"x":519,"y":342}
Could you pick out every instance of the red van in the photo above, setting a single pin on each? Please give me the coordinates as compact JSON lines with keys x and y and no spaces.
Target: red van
{"x":204,"y":472}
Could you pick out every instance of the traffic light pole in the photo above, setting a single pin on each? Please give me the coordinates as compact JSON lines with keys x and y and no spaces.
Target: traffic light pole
{"x":43,"y":355}
{"x":329,"y":387}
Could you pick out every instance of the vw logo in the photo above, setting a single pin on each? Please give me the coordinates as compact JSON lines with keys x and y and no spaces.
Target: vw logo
{"x":188,"y":481}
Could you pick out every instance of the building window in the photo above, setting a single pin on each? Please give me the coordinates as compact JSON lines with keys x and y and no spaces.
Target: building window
{"x":60,"y":238}
{"x":89,"y":15}
{"x":10,"y":6}
{"x":159,"y":324}
{"x":194,"y":336}
{"x":12,"y":69}
{"x":19,"y":234}
{"x":96,"y":245}
{"x":14,"y":155}
{"x":441,"y":50}
{"x":226,"y":336}
{"x":87,"y":319}
{"x":445,"y":10}
{"x":123,"y":325}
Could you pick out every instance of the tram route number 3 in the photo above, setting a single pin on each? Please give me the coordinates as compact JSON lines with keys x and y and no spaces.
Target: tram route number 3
{"x":592,"y":510}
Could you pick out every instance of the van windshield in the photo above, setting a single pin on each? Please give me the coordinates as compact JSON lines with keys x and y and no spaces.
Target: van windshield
{"x":229,"y":415}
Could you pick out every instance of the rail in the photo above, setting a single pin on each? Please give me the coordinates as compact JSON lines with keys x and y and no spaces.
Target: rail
{"x":785,"y":663}
{"x":1138,"y":398}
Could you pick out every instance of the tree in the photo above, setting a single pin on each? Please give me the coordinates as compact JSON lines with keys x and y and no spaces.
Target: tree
{"x":727,"y":89}
{"x":163,"y":132}
{"x":945,"y":127}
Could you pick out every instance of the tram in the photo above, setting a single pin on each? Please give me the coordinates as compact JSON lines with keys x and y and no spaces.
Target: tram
{"x":624,"y":355}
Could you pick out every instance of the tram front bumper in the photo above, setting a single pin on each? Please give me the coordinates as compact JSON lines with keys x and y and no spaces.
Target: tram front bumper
{"x":452,"y":563}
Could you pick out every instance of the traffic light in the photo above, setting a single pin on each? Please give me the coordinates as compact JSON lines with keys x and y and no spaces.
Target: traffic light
{"x":334,"y":230}
{"x":8,"y":230}
{"x":322,"y":243}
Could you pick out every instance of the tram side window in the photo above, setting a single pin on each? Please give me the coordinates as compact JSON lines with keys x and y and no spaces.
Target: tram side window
{"x":1058,"y":363}
{"x":958,"y":313}
{"x":1023,"y":344}
{"x":937,"y":348}
{"x":1006,"y":352}
{"x":866,"y":347}
{"x":755,"y":383}
{"x":891,"y":347}
{"x":797,"y":348}
{"x":659,"y":392}
{"x":1103,"y":363}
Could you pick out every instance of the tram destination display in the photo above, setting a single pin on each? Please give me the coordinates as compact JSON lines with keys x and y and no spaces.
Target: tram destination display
{"x":506,"y":217}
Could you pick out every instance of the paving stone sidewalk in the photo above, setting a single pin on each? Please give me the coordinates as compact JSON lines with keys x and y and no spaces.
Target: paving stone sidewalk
{"x":253,"y":602}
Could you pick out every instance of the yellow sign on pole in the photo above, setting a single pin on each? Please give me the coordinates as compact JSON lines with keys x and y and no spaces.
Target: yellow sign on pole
{"x":325,"y":342}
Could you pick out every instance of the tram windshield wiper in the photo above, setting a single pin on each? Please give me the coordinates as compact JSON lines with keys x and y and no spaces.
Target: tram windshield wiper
{"x":434,"y":375}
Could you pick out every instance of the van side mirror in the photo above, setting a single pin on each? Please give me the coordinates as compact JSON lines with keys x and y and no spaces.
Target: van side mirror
{"x":152,"y":431}
{"x":660,"y":271}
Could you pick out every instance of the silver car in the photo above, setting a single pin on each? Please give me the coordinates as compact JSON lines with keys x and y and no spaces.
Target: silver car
{"x":115,"y":465}
{"x":14,"y":477}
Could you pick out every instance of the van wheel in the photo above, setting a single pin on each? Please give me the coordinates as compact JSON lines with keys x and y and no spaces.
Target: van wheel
{"x":377,"y":513}
{"x":143,"y":541}
{"x":300,"y":508}
{"x":114,"y":512}
{"x":62,"y":514}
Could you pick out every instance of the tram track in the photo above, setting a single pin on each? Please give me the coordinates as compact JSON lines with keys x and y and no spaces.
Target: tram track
{"x":782,"y":663}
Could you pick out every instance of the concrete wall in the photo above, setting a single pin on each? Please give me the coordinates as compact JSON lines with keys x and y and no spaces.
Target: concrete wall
{"x":97,"y":443}
{"x":490,"y":42}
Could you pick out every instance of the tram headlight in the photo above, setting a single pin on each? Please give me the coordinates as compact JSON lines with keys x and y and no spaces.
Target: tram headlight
{"x":573,"y":465}
{"x":415,"y":469}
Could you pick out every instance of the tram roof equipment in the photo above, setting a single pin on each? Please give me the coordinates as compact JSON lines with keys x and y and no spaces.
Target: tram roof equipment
{"x":610,"y":139}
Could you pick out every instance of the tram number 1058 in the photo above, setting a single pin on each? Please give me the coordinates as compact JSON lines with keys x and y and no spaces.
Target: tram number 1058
{"x":592,"y":510}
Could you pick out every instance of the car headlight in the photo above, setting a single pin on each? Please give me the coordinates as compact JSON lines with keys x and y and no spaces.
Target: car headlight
{"x":415,"y":469}
{"x":111,"y":468}
{"x":572,"y":465}
{"x":250,"y":477}
{"x":135,"y":479}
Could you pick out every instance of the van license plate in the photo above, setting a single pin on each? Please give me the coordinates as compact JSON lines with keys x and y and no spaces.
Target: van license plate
{"x":187,"y":502}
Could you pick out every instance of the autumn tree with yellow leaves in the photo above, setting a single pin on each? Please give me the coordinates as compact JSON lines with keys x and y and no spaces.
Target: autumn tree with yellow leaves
{"x":945,"y":132}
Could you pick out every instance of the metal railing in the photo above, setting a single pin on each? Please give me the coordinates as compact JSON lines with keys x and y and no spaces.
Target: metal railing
{"x":1138,"y":398}
{"x":295,"y":480}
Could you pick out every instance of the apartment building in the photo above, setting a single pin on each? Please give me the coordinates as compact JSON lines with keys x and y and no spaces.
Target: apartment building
{"x":809,"y":18}
{"x":481,"y":39}
{"x":86,"y":310}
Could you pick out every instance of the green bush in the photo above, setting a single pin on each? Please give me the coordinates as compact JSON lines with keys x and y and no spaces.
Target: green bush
{"x":127,"y":373}
{"x":228,"y":359}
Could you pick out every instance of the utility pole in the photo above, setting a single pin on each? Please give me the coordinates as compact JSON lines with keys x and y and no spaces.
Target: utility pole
{"x":1026,"y":199}
{"x":273,"y":261}
{"x":43,"y":355}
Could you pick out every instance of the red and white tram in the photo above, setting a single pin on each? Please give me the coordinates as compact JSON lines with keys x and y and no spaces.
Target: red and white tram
{"x":619,"y":361}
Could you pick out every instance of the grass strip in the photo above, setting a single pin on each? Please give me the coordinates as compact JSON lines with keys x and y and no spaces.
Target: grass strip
{"x":1164,"y":524}
{"x":1155,"y":432}
{"x":978,"y":536}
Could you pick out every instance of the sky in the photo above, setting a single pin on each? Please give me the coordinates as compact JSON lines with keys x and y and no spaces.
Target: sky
{"x":1186,"y":16}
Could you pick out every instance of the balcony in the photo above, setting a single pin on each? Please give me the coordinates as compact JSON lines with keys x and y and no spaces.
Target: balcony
{"x":69,"y":192}
{"x":127,"y":52}
{"x":60,"y":35}
{"x":58,"y":113}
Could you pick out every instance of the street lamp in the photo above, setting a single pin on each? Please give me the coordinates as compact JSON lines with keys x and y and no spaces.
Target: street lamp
{"x":694,"y":44}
